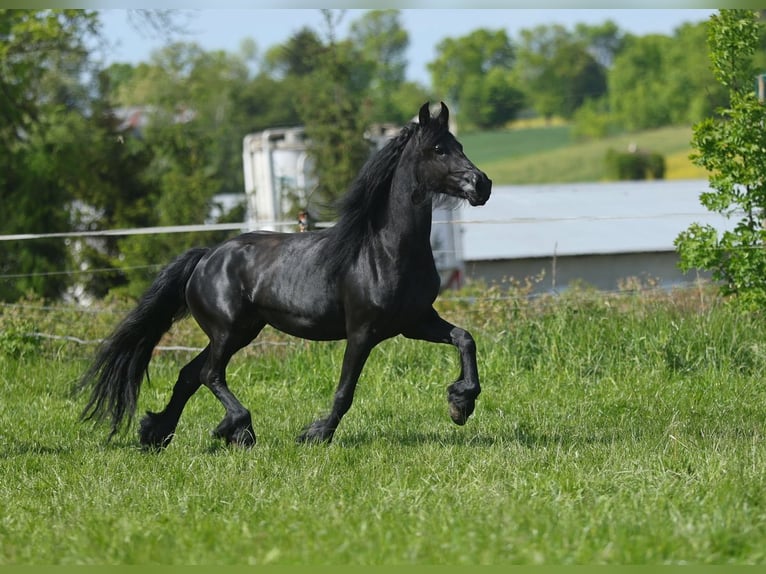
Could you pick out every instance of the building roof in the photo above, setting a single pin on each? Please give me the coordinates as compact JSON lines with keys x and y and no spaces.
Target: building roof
{"x":583,"y":218}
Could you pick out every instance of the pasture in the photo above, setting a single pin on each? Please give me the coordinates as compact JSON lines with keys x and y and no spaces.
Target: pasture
{"x":548,"y":155}
{"x":613,"y":428}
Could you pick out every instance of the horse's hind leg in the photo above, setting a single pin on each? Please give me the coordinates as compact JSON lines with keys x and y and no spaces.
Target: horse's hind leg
{"x":236,"y":426}
{"x":157,"y":429}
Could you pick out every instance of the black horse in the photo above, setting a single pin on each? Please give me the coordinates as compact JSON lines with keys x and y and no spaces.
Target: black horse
{"x":366,"y":279}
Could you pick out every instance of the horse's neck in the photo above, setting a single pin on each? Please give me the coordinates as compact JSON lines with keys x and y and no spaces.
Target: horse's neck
{"x":408,"y":223}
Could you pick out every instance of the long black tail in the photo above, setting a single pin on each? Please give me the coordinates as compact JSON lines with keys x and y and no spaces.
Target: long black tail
{"x":118,"y":369}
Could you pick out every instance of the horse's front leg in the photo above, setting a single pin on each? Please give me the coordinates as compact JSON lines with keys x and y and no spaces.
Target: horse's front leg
{"x":358,"y":349}
{"x":461,"y":394}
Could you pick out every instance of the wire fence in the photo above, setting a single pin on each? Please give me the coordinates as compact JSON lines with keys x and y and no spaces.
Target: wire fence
{"x":291,"y":224}
{"x":241,"y":227}
{"x":511,"y":294}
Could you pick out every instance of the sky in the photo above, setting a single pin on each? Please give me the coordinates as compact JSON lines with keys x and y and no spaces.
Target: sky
{"x":224,"y":29}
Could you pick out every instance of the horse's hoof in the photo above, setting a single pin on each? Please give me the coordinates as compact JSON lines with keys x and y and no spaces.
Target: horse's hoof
{"x":237,"y":431}
{"x":457,"y":414}
{"x":461,"y":405}
{"x":151,"y":433}
{"x":244,"y":438}
{"x":316,"y":433}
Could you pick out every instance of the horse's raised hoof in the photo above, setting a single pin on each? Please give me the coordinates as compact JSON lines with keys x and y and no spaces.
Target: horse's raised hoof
{"x":461,"y":403}
{"x":153,"y":434}
{"x":316,"y":433}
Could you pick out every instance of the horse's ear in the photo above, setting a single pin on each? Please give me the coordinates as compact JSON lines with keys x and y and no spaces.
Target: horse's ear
{"x":444,"y":115}
{"x":424,"y":116}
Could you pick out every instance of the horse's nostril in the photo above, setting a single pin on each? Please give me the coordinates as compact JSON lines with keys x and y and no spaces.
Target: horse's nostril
{"x":485,"y":186}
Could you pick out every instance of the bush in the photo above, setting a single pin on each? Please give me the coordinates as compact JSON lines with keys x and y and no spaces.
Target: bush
{"x":17,"y":339}
{"x":634,"y":165}
{"x":730,"y":147}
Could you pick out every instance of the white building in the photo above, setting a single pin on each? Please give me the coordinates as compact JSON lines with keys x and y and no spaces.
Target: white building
{"x":599,"y":233}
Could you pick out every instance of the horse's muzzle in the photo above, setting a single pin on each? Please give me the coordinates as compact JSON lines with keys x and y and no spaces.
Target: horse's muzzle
{"x":482,"y":189}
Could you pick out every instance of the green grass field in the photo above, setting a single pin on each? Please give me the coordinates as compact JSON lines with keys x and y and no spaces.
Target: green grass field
{"x":548,"y":155}
{"x":612,"y":429}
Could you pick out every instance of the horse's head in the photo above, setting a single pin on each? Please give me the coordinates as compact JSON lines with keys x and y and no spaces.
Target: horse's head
{"x":441,"y":165}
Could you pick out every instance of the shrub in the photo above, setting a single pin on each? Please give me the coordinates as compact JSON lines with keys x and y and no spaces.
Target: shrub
{"x":634,"y":165}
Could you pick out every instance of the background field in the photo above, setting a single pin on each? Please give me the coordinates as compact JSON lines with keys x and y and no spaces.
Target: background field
{"x":549,"y":155}
{"x":612,"y":429}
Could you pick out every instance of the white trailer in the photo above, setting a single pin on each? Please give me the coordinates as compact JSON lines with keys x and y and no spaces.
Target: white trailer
{"x":278,"y":172}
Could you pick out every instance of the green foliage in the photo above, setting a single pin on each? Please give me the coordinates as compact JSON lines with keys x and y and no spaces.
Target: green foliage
{"x":655,"y":165}
{"x":36,"y":203}
{"x":604,"y":41}
{"x":381,"y":43}
{"x":557,"y":70}
{"x":170,"y":169}
{"x":472,"y":73}
{"x":42,"y":110}
{"x":659,"y":80}
{"x":407,"y":97}
{"x":490,"y":103}
{"x":17,"y":338}
{"x":593,"y":120}
{"x":186,"y":182}
{"x":731,"y":148}
{"x":334,"y":118}
{"x":37,"y":45}
{"x":637,"y":80}
{"x":298,"y":56}
{"x":634,"y":165}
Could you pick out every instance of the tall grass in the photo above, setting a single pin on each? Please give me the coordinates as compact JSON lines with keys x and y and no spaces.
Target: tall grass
{"x":612,"y":429}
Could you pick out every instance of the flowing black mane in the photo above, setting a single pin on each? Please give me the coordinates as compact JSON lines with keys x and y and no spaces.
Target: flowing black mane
{"x":360,"y":211}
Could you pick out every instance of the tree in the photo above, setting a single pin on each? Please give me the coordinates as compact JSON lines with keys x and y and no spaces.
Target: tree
{"x":638,"y":81}
{"x":658,"y":80}
{"x":267,"y":102}
{"x":114,"y":191}
{"x":557,"y":70}
{"x":43,"y":105}
{"x":381,"y":41}
{"x":298,"y":57}
{"x":405,"y":101}
{"x":331,"y":104}
{"x":604,"y":41}
{"x":692,"y":91}
{"x":192,"y":135}
{"x":732,"y":148}
{"x":471,"y":66}
{"x":492,"y":102}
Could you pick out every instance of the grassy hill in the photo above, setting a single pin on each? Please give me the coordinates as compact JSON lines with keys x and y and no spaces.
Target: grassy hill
{"x":550,"y":155}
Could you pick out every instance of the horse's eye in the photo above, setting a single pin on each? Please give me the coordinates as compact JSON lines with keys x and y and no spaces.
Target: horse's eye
{"x":439,"y":150}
